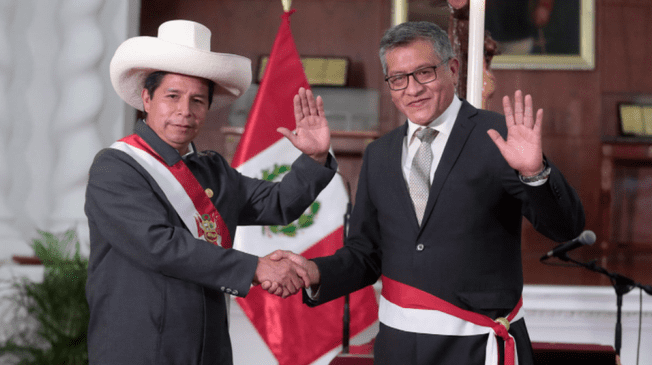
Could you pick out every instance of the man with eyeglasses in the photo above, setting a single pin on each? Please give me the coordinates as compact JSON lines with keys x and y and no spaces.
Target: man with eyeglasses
{"x":447,"y":249}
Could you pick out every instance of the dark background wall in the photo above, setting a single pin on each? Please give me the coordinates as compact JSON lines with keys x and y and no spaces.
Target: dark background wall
{"x":612,"y":175}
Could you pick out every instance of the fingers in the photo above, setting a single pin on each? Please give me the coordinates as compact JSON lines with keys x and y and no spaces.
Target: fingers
{"x":539,"y":121}
{"x":528,"y":119}
{"x":305,"y":104}
{"x":312,"y":105}
{"x":509,"y":113}
{"x":276,"y":255}
{"x":497,"y":138}
{"x":522,"y":113}
{"x":287,"y":133}
{"x":282,"y":273}
{"x":518,"y":107}
{"x":320,"y":107}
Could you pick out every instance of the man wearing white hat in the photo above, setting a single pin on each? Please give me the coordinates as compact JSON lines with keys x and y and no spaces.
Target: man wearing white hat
{"x":161,"y":214}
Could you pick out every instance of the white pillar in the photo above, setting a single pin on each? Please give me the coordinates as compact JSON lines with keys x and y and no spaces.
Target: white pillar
{"x":476,"y":53}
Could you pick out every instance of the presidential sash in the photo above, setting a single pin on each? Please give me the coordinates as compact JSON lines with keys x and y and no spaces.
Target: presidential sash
{"x":182,"y":189}
{"x":413,"y":310}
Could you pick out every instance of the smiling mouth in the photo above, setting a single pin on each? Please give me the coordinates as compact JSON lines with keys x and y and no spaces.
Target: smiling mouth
{"x":417,"y":102}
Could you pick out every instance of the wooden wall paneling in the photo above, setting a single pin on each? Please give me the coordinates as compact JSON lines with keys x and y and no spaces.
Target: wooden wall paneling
{"x":626,"y":207}
{"x":571,"y":140}
{"x":625,"y":36}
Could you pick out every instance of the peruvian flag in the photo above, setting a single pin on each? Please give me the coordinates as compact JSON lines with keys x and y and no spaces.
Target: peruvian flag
{"x":294,"y":333}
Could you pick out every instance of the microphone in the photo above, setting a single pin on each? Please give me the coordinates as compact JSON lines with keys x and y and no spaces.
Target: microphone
{"x":586,"y":238}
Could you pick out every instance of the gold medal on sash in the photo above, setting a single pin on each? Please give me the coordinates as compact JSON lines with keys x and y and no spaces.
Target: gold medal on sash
{"x":208,"y":229}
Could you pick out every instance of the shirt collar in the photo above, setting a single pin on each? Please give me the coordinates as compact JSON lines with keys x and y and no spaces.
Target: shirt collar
{"x":167,"y":152}
{"x":443,"y":124}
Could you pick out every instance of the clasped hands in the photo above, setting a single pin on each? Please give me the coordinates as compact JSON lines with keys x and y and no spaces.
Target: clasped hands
{"x":284,"y":273}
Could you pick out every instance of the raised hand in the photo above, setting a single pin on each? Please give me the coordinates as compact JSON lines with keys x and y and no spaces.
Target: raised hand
{"x":311,"y":135}
{"x":522,"y":150}
{"x":280,"y":277}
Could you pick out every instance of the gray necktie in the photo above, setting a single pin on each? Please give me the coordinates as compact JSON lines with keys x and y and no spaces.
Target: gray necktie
{"x":419,"y":181}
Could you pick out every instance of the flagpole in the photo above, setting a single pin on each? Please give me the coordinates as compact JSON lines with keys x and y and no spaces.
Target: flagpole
{"x":287,"y":5}
{"x":346,"y":319}
{"x":476,"y":53}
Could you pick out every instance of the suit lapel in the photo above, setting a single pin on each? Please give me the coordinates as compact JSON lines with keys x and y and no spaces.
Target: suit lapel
{"x":459,"y":135}
{"x":396,"y":172}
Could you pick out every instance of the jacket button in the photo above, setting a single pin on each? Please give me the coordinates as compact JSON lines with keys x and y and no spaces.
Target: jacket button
{"x":222,"y":288}
{"x":420,"y":247}
{"x":234,"y":292}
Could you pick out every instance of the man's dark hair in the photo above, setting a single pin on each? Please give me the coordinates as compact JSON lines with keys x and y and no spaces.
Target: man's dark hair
{"x":153,"y":81}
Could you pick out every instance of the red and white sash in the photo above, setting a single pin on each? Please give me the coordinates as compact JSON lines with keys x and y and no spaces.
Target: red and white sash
{"x":412,"y":310}
{"x":182,"y":190}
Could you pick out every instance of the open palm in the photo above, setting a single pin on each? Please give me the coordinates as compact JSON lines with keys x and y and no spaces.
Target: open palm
{"x":522,"y":149}
{"x":312,"y":135}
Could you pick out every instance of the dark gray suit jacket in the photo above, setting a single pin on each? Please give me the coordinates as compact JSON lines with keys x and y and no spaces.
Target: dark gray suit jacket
{"x":156,"y":293}
{"x":471,"y":236}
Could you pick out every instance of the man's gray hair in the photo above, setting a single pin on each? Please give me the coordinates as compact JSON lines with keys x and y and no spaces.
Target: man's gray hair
{"x":405,"y":33}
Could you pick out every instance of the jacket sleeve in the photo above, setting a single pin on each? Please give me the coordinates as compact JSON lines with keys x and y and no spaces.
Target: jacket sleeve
{"x":129,"y":216}
{"x":358,"y":263}
{"x":554,"y":208}
{"x":267,"y":203}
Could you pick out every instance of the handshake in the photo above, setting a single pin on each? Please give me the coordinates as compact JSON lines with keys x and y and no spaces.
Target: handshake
{"x":284,"y":273}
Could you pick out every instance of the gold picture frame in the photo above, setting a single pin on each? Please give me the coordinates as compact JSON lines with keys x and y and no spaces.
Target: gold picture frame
{"x":320,"y":71}
{"x":583,"y":60}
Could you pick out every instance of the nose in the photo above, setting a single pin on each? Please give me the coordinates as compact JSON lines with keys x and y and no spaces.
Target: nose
{"x":183,"y":106}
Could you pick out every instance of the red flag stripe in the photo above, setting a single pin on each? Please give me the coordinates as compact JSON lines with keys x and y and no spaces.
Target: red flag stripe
{"x":279,"y":89}
{"x":285,"y":324}
{"x":295,"y":333}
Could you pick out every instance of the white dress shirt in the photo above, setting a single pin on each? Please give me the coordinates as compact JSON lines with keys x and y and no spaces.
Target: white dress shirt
{"x":444,"y":125}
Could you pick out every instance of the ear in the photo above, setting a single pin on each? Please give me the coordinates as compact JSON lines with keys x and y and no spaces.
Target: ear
{"x":144,"y":95}
{"x":454,"y":67}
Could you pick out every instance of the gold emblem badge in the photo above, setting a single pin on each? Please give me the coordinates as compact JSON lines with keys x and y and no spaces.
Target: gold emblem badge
{"x":503,"y":321}
{"x":209,"y":229}
{"x":209,"y":193}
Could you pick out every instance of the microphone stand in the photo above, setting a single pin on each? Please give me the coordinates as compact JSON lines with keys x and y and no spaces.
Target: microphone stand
{"x":622,"y":285}
{"x":346,"y":318}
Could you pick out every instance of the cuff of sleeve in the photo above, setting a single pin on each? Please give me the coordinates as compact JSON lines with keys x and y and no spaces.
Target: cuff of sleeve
{"x":313,"y":295}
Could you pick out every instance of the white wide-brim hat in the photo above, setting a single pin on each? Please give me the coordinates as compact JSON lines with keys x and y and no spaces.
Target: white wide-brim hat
{"x":182,"y":47}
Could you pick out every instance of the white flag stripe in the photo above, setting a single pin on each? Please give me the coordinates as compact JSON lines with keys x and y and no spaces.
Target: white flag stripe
{"x":333,"y":199}
{"x":281,"y":153}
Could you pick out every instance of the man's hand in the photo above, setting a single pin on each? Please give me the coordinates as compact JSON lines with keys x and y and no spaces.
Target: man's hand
{"x":311,"y":135}
{"x":522,"y":150}
{"x":280,"y":277}
{"x":310,"y":268}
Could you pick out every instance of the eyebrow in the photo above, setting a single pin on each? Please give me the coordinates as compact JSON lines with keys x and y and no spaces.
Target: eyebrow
{"x":405,"y":72}
{"x":173,"y":90}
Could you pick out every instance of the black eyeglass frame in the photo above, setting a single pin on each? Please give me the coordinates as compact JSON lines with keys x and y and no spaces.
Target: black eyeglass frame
{"x":387,"y":78}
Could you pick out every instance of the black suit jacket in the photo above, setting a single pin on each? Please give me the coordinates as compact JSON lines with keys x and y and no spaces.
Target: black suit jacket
{"x":468,"y":248}
{"x":156,"y":294}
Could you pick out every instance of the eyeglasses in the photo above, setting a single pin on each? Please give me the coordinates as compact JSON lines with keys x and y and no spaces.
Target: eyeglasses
{"x":423,"y":75}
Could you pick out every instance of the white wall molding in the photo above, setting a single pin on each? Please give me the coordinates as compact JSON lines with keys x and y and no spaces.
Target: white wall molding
{"x":58,"y":110}
{"x":587,"y":315}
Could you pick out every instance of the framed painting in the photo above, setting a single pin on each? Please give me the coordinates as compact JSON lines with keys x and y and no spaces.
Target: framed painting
{"x":563,"y":40}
